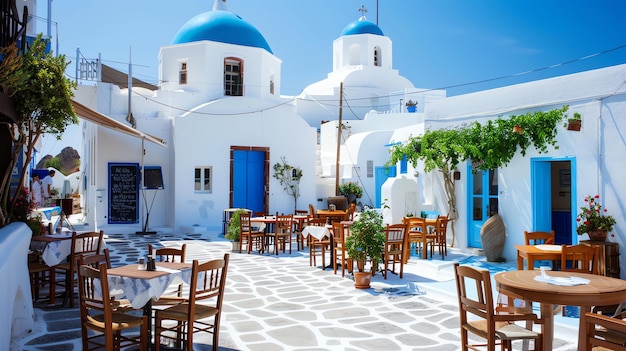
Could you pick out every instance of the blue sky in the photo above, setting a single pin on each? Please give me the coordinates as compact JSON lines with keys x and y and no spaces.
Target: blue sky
{"x":436,"y":44}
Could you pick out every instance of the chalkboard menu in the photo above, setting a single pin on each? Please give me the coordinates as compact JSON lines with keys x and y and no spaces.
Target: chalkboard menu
{"x":123,"y":193}
{"x":152,"y":177}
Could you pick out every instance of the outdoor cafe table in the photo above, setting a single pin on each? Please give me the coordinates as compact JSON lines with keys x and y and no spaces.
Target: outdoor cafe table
{"x":140,"y":286}
{"x":532,"y":253}
{"x":600,"y":291}
{"x":333,"y":215}
{"x":56,"y":247}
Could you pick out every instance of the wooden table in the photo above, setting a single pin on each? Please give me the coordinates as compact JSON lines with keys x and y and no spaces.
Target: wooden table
{"x":600,"y":291}
{"x":140,"y":286}
{"x":338,"y":215}
{"x":532,"y":253}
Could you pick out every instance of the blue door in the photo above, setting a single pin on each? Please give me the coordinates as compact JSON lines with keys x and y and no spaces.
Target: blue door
{"x":483,"y":201}
{"x":381,"y":174}
{"x":249,"y":180}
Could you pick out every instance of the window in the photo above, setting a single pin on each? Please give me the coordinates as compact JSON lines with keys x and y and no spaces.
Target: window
{"x":377,"y":57}
{"x":182,"y":74}
{"x":370,"y":168}
{"x":233,"y":77}
{"x":272,"y":87}
{"x":202,"y":179}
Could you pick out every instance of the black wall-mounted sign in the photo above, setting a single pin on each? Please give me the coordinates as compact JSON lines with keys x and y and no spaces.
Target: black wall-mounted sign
{"x":152,"y":177}
{"x":123,"y":193}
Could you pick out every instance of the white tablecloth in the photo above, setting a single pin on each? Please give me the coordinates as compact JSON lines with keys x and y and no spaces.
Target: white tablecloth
{"x":316,"y":232}
{"x":55,"y":252}
{"x":139,"y":291}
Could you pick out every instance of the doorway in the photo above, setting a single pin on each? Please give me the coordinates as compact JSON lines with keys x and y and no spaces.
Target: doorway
{"x":483,"y":202}
{"x":249,"y":178}
{"x":553,"y":197}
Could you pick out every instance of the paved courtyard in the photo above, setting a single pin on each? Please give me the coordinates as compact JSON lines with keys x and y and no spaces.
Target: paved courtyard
{"x":281,"y":303}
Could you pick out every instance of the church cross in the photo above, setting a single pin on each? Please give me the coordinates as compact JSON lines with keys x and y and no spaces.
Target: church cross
{"x":362,"y":10}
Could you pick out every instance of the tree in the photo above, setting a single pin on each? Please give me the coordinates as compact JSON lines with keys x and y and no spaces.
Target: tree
{"x":289,"y":177}
{"x":488,"y":146}
{"x":44,"y":102}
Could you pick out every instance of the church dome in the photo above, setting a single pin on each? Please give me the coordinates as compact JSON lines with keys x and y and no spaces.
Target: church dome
{"x":362,"y":26}
{"x":223,"y":27}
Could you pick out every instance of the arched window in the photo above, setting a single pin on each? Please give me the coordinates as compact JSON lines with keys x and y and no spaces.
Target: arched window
{"x":233,"y":76}
{"x":377,"y":57}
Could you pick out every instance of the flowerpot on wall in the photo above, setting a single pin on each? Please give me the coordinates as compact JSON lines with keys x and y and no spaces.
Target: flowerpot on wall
{"x":518,"y":129}
{"x":411,"y":109}
{"x":597,"y":235}
{"x":574,"y":125}
{"x":362,"y":280}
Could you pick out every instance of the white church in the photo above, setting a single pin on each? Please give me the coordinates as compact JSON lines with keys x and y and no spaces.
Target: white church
{"x":217,"y":123}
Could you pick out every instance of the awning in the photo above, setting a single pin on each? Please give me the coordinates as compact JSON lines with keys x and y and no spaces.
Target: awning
{"x":85,"y":112}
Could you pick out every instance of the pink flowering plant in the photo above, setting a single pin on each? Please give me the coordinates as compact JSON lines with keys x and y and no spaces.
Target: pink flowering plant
{"x":593,"y":216}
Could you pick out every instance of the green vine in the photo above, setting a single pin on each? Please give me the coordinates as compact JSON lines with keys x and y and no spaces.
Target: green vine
{"x":488,"y":146}
{"x":289,"y":177}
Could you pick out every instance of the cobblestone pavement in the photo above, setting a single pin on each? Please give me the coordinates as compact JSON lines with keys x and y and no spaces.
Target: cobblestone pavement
{"x":281,"y":303}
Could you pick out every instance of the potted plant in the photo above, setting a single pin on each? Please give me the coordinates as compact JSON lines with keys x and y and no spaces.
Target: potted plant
{"x":351,"y":191}
{"x":574,"y":123}
{"x":411,"y":106}
{"x":234,"y":228}
{"x":366,"y":242}
{"x":593,"y":220}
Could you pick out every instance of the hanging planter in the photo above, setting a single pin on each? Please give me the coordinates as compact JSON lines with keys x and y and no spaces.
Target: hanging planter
{"x":518,"y":129}
{"x":574,"y":123}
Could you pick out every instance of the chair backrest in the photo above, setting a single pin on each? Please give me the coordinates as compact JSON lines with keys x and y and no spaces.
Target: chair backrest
{"x":284,"y":224}
{"x":93,"y":290}
{"x":605,"y":331}
{"x":95,"y":260}
{"x":442,"y":224}
{"x":312,"y":212}
{"x":245,"y":226}
{"x":415,"y":225}
{"x":208,"y":280}
{"x":536,"y":238}
{"x":87,"y":243}
{"x":340,"y":232}
{"x":474,"y":292}
{"x":394,"y":234}
{"x":320,"y":222}
{"x":580,"y":258}
{"x":168,"y":254}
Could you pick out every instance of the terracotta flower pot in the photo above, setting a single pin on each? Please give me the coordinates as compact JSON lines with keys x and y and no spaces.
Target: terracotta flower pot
{"x":362,"y":280}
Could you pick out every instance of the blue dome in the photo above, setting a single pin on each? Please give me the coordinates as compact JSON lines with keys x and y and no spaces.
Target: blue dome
{"x":362,"y":26}
{"x":223,"y":27}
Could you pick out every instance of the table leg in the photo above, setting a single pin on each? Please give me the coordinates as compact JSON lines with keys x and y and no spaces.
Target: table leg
{"x":147,"y":311}
{"x":424,"y":247}
{"x":547,"y":328}
{"x":520,"y":262}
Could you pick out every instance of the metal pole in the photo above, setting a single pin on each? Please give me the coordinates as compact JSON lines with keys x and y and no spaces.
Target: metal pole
{"x":339,"y":129}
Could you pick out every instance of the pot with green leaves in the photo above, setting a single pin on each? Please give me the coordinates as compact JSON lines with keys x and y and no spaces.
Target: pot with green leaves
{"x":366,"y":244}
{"x":234,"y":228}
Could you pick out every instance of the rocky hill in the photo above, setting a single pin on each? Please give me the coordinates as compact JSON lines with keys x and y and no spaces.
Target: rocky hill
{"x":70,"y":160}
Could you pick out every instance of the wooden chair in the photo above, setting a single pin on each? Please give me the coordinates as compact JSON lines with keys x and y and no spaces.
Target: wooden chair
{"x":475,"y":298}
{"x":97,"y":313}
{"x":418,"y":233}
{"x":604,"y":332}
{"x":82,"y":244}
{"x":395,"y":240}
{"x":536,"y":238}
{"x":441,"y":232}
{"x":41,"y":275}
{"x":580,"y":258}
{"x":283,"y":231}
{"x":340,"y":232}
{"x":317,"y":246}
{"x":208,"y":282}
{"x":312,"y":211}
{"x":169,"y":254}
{"x":298,"y":226}
{"x":249,"y":235}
